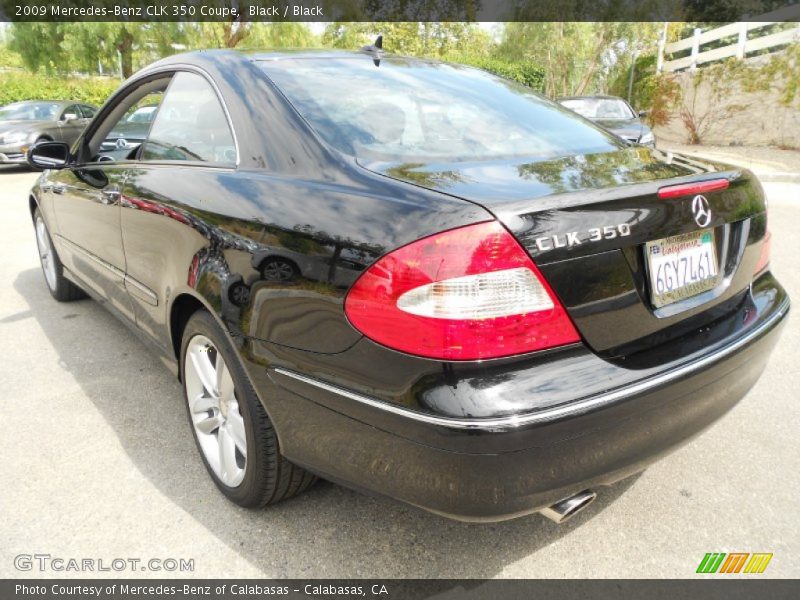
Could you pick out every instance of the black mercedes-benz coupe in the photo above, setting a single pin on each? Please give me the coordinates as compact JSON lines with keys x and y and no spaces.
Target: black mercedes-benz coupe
{"x":413,"y":278}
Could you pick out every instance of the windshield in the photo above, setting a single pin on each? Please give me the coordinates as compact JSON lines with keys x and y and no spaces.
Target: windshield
{"x":142,"y":115}
{"x":600,"y":108}
{"x":405,"y":110}
{"x":30,"y":111}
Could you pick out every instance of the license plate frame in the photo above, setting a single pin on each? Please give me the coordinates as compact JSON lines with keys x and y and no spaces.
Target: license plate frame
{"x":681,"y":266}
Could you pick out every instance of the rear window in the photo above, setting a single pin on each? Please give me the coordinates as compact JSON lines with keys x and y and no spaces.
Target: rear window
{"x":406,"y":111}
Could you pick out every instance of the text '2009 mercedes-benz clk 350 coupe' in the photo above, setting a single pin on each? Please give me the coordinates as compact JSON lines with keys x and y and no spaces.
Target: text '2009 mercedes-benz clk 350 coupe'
{"x":413,"y":278}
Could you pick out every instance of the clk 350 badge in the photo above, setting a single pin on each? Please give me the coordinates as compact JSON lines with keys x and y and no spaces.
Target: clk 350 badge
{"x":576,"y":238}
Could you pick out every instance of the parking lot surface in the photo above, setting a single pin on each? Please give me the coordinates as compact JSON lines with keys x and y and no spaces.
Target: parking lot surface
{"x":98,"y":462}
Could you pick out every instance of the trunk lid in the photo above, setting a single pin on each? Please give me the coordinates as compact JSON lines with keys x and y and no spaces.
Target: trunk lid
{"x":556,"y":207}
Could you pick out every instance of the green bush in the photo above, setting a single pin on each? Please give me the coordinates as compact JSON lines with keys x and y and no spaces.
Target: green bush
{"x":522,"y":72}
{"x":16,"y":86}
{"x":8,"y":58}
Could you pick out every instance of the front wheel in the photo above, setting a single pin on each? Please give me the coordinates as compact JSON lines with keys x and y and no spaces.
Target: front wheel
{"x":61,"y":288}
{"x":230,"y":426}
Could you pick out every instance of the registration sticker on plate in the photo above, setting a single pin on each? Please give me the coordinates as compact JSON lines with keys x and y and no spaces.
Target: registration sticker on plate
{"x":682,"y":266}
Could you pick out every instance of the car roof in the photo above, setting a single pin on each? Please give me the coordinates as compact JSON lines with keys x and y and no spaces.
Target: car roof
{"x":323,"y":55}
{"x":225,"y":56}
{"x":264,"y":55}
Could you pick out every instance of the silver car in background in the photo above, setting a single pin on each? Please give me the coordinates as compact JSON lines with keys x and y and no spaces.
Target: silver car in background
{"x":22,"y":124}
{"x":615,"y":115}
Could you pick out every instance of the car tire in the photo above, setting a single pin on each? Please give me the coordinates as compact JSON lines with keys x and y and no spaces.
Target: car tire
{"x":233,"y":433}
{"x":61,"y":288}
{"x":277,"y":269}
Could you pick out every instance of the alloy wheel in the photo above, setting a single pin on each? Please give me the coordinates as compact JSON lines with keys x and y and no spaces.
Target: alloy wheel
{"x":215,"y":412}
{"x":278,"y":270}
{"x":46,"y":255}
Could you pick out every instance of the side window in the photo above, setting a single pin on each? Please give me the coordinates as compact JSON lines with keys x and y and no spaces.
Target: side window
{"x":190,"y":125}
{"x":87,"y":111}
{"x":130,"y":130}
{"x":71,"y":110}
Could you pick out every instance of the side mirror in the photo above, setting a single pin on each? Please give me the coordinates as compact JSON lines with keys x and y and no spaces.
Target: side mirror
{"x":643,"y":113}
{"x":49,"y":155}
{"x":69,"y":117}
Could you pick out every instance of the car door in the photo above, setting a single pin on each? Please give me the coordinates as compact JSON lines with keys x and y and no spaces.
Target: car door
{"x":186,"y":169}
{"x":89,"y":241}
{"x":86,"y":202}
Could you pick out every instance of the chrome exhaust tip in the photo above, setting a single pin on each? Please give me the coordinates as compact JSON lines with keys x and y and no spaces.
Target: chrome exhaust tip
{"x":567,"y":508}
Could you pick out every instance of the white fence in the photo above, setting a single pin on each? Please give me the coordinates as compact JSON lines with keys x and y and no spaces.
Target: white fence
{"x":739,"y":49}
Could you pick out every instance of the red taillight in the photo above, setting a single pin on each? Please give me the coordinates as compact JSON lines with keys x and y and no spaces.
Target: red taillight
{"x":695,"y":187}
{"x":464,"y":294}
{"x":763,"y":259}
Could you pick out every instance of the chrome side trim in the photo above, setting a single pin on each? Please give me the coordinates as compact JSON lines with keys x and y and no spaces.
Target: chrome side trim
{"x":141,"y":291}
{"x":95,"y":259}
{"x":133,"y":286}
{"x":557,"y":412}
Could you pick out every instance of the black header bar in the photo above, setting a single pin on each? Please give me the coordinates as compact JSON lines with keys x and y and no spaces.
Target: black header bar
{"x":711,"y":587}
{"x":398,"y":10}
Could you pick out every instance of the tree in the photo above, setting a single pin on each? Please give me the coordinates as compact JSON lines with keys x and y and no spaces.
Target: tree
{"x":9,"y":59}
{"x":123,"y":47}
{"x":227,"y":34}
{"x":89,"y":47}
{"x":284,"y":34}
{"x":578,"y":57}
{"x":249,"y":35}
{"x":39,"y":45}
{"x":411,"y":38}
{"x":659,"y":93}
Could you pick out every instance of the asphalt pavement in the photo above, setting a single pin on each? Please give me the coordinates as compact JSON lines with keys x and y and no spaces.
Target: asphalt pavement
{"x":98,"y":462}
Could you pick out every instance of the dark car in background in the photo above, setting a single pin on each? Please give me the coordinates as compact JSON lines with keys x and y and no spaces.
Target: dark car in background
{"x":615,"y":114}
{"x":443,"y":288}
{"x":22,"y":124}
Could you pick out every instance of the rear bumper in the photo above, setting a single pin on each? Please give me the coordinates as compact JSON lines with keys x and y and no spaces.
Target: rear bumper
{"x":501,"y":467}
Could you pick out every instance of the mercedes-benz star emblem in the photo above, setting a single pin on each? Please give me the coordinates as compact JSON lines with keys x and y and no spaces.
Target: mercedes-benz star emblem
{"x":702,"y":213}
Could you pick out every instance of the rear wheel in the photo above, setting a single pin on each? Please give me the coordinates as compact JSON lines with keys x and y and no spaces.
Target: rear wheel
{"x":232,"y":430}
{"x":61,"y":288}
{"x":276,"y":268}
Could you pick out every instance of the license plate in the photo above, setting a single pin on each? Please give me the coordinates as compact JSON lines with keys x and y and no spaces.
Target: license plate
{"x":681,"y":266}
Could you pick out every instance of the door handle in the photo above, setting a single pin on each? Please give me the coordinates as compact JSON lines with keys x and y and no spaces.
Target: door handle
{"x":110,"y":194}
{"x":59,"y":189}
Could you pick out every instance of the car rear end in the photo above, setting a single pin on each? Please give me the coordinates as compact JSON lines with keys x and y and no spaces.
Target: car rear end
{"x":610,"y":306}
{"x":503,"y":436}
